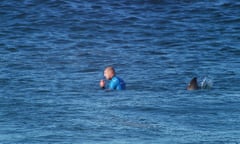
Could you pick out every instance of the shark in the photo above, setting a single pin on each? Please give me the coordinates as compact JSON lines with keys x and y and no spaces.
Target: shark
{"x":193,"y":84}
{"x":206,"y":83}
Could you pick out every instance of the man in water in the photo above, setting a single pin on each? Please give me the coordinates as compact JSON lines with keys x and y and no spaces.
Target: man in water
{"x":115,"y":83}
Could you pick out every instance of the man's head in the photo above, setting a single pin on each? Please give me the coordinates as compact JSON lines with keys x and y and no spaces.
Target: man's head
{"x":109,"y":73}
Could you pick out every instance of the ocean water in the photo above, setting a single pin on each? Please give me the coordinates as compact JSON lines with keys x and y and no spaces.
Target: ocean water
{"x":53,"y":54}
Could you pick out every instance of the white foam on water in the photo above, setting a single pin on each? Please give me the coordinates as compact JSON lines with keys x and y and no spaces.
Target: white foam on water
{"x":206,"y":83}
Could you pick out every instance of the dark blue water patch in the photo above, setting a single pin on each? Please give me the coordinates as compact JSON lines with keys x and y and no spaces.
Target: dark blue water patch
{"x":230,"y":50}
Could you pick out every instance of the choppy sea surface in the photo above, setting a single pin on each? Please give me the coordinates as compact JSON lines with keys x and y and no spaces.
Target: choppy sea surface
{"x":53,"y":53}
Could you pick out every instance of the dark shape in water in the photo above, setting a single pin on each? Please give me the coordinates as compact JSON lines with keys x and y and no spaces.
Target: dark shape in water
{"x":193,"y":85}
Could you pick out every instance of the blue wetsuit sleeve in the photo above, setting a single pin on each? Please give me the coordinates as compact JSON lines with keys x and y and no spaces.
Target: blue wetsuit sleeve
{"x":113,"y":84}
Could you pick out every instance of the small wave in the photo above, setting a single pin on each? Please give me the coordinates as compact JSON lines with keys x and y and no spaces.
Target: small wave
{"x":206,"y":83}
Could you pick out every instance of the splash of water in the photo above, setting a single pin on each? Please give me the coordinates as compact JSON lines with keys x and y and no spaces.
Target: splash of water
{"x":206,"y":83}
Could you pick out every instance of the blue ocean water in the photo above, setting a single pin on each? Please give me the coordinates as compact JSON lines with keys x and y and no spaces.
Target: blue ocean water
{"x":53,"y":54}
